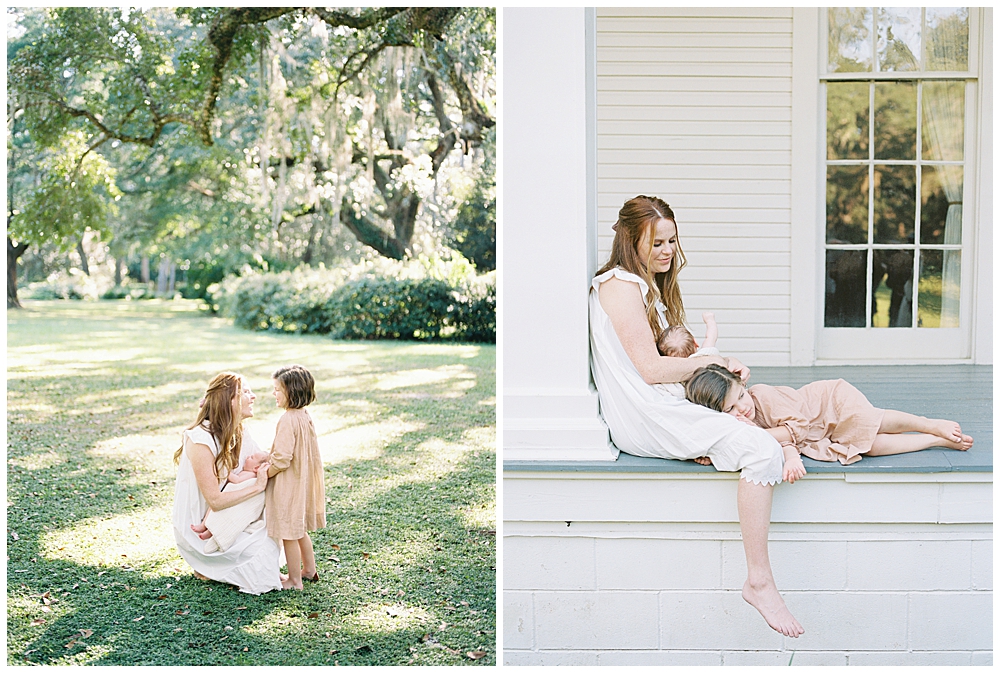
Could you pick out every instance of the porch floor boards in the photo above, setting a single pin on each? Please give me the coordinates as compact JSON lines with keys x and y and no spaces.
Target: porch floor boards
{"x":962,"y":393}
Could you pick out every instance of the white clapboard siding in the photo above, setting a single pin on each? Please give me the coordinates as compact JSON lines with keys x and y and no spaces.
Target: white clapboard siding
{"x":694,"y":106}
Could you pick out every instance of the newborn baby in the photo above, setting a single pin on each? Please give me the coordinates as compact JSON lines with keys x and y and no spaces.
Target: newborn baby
{"x":249,"y":471}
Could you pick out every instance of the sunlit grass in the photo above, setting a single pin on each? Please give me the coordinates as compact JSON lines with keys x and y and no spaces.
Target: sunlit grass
{"x":98,"y":394}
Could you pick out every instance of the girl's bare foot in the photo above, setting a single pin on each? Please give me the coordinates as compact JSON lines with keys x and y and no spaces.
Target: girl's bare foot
{"x":948,"y":430}
{"x":288,"y":584}
{"x":963,"y":445}
{"x":768,"y":602}
{"x":703,"y":460}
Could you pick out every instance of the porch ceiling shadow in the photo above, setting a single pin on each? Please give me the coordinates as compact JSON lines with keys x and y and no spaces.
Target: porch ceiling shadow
{"x":962,"y":393}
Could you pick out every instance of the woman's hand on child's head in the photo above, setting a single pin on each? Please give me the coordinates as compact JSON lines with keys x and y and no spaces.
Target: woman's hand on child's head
{"x":737,"y":367}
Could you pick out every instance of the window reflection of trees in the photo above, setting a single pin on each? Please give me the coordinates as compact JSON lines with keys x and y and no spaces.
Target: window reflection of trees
{"x":890,"y":172}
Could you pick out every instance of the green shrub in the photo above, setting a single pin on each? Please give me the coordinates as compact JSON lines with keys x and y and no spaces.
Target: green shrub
{"x":390,"y":308}
{"x":475,"y":314}
{"x":359,"y":304}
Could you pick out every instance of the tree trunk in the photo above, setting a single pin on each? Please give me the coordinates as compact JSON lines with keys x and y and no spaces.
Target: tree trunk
{"x":173,"y":279}
{"x":144,"y":269}
{"x":14,"y":253}
{"x":118,"y":271}
{"x":162,"y":276}
{"x":83,"y":257}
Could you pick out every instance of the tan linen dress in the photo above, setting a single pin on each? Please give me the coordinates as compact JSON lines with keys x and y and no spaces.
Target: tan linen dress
{"x":295,"y":499}
{"x":829,"y":420}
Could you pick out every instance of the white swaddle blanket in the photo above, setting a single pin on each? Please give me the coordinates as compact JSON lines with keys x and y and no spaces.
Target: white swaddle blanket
{"x":226,"y":525}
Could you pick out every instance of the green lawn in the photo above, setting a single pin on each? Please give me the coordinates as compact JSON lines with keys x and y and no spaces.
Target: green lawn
{"x":97,"y":395}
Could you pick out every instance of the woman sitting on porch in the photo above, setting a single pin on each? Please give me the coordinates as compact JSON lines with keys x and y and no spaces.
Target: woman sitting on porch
{"x":632,"y":299}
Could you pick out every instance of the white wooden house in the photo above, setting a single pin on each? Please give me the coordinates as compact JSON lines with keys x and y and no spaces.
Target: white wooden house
{"x":797,"y":218}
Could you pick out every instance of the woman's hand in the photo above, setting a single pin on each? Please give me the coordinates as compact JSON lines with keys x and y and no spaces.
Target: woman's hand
{"x":737,"y":367}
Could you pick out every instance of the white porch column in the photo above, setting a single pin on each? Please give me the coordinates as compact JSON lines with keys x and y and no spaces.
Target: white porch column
{"x":548,"y":210}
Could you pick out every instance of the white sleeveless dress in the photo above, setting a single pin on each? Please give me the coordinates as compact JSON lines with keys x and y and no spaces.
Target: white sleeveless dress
{"x":253,"y":560}
{"x":648,"y":421}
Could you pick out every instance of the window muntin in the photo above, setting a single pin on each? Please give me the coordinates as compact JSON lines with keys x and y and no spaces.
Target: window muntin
{"x":895,"y":165}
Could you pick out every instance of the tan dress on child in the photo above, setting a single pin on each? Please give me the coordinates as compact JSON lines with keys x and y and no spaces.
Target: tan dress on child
{"x":295,"y":499}
{"x":829,"y":420}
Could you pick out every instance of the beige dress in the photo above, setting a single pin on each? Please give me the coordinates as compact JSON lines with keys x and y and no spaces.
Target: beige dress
{"x":295,"y":497}
{"x":829,"y":420}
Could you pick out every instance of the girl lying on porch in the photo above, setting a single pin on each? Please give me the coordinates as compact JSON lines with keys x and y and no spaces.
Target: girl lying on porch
{"x":824,"y":420}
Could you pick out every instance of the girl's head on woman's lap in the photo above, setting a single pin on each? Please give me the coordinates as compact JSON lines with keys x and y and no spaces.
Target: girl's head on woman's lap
{"x":633,"y":251}
{"x":710,"y":386}
{"x":226,"y":403}
{"x":294,"y":387}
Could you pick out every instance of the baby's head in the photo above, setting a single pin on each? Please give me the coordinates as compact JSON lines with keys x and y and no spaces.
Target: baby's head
{"x":255,"y":460}
{"x":677,"y":342}
{"x":294,"y":387}
{"x":711,"y":387}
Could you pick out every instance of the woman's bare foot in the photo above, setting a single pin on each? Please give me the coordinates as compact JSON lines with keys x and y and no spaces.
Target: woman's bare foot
{"x":771,"y":606}
{"x":947,"y":430}
{"x":199,"y":576}
{"x":703,"y":460}
{"x":288,"y":584}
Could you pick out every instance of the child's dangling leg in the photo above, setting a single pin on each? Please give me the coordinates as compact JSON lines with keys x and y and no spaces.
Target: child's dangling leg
{"x":308,"y":559}
{"x":293,"y":556}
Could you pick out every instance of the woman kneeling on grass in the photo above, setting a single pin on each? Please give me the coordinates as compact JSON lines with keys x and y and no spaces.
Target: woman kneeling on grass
{"x":213,"y":447}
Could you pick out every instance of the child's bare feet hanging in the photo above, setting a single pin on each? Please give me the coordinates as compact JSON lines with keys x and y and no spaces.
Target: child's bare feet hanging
{"x":771,"y":606}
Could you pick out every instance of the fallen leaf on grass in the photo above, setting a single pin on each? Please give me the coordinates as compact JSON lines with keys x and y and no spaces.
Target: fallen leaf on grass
{"x":242,"y":607}
{"x":335,"y":547}
{"x":443,"y":626}
{"x":364,"y":649}
{"x":181,"y":612}
{"x":46,"y":608}
{"x":478,"y":654}
{"x":70,"y":644}
{"x":228,"y":628}
{"x":15,"y":536}
{"x":465,"y":603}
{"x":137,"y":619}
{"x":37,"y":622}
{"x":313,"y":615}
{"x":246,"y":649}
{"x":161,"y":597}
{"x":365,"y":555}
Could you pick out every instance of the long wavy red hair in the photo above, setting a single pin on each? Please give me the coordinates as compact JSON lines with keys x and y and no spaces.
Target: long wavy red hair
{"x":222,"y":423}
{"x":636,"y":218}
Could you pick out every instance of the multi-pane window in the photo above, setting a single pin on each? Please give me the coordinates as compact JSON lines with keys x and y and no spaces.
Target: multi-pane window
{"x":895,"y":165}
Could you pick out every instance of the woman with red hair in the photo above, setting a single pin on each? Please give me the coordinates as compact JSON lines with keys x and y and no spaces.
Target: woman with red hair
{"x":213,"y":447}
{"x":632,"y":300}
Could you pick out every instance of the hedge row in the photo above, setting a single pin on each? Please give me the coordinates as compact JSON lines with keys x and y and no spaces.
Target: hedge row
{"x":369,"y":307}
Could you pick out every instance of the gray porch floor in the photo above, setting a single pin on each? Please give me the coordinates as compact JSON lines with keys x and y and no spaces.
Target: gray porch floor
{"x":962,"y":393}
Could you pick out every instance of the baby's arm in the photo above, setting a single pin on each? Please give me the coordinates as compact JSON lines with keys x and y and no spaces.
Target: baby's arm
{"x":711,"y":330}
{"x":243,"y":475}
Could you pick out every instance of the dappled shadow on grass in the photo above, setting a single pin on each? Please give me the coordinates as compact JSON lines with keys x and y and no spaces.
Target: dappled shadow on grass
{"x":409,"y":581}
{"x":89,"y":455}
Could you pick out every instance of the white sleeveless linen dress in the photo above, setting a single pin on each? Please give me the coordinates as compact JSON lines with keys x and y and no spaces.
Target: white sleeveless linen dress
{"x":253,"y":560}
{"x":648,"y":421}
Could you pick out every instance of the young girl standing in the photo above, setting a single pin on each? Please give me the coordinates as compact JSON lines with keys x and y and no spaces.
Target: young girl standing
{"x":295,"y":500}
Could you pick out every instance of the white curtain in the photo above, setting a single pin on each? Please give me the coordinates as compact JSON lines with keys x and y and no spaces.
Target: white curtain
{"x":944,"y":140}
